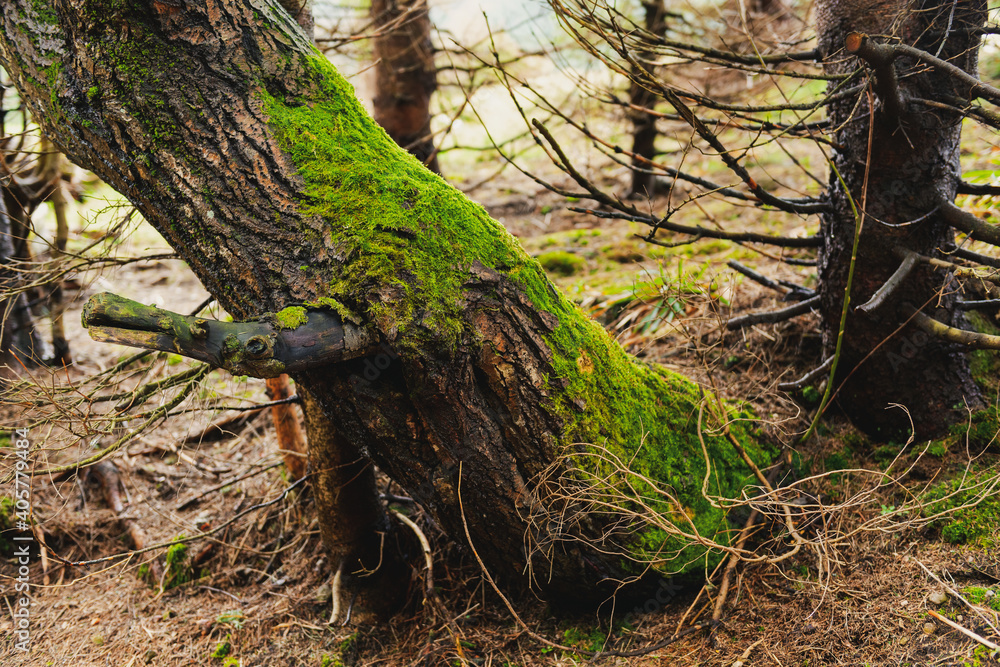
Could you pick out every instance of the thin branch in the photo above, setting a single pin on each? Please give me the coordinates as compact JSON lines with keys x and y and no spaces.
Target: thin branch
{"x":892,"y":284}
{"x":977,"y":88}
{"x":969,"y":339}
{"x":965,"y":188}
{"x":978,"y":304}
{"x":964,"y":221}
{"x":770,"y":317}
{"x":976,"y":257}
{"x":808,"y":378}
{"x":704,"y":232}
{"x":880,"y":57}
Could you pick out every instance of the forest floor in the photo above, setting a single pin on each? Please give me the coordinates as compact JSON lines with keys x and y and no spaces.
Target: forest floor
{"x":256,"y":593}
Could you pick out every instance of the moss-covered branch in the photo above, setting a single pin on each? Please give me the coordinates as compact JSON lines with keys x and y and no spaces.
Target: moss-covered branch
{"x":289,"y":341}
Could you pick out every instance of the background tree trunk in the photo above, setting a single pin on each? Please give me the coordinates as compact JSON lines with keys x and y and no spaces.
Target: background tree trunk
{"x":914,"y":164}
{"x":643,"y":124}
{"x":251,"y":156}
{"x":19,"y":340}
{"x":405,"y":75}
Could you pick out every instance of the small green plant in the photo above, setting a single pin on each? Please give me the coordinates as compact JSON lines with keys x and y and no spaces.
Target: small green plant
{"x":177,"y":571}
{"x":592,"y":640}
{"x":222,"y":649}
{"x":938,"y":449}
{"x":233,"y":618}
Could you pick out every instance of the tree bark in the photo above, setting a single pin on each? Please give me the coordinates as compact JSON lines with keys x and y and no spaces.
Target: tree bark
{"x":19,"y":340}
{"x":405,"y":75}
{"x":899,"y":177}
{"x":643,"y":124}
{"x":251,"y":156}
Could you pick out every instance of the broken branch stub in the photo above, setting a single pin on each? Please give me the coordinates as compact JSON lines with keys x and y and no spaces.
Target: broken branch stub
{"x":263,"y":349}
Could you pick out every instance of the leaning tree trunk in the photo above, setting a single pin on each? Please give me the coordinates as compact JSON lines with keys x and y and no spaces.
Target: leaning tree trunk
{"x":405,"y":75}
{"x":900,"y":178}
{"x":352,"y":520}
{"x":251,"y":156}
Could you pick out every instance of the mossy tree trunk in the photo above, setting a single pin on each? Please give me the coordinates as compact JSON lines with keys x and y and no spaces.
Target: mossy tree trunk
{"x":352,"y":521}
{"x":901,"y":177}
{"x":250,"y":154}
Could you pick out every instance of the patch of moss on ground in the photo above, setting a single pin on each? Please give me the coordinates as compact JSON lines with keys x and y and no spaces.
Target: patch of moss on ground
{"x":979,"y":431}
{"x":560,"y":262}
{"x":403,"y":230}
{"x":177,"y":570}
{"x":982,"y":596}
{"x":978,"y":525}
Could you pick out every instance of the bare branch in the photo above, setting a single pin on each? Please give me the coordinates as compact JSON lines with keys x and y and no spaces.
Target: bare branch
{"x":969,"y":339}
{"x":880,"y":57}
{"x":964,"y":221}
{"x":773,"y":316}
{"x":890,"y":285}
{"x":976,"y":257}
{"x":808,"y":378}
{"x":704,"y":232}
{"x":965,"y":188}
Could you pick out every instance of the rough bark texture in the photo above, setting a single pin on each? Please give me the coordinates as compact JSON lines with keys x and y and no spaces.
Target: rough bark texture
{"x":252,"y":157}
{"x":405,"y":75}
{"x":914,"y":165}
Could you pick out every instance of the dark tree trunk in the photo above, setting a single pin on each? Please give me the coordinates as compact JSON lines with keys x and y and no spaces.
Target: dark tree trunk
{"x":250,"y":154}
{"x":405,"y":75}
{"x":643,"y":124}
{"x":19,"y":341}
{"x":912,"y":166}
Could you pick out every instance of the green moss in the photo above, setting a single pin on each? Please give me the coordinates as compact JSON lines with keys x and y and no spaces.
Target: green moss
{"x":291,"y":318}
{"x":937,"y":448}
{"x":560,"y":262}
{"x":345,"y":313}
{"x":222,"y":649}
{"x":978,"y":524}
{"x":177,"y":571}
{"x":7,"y":523}
{"x":984,"y":364}
{"x":985,"y":597}
{"x":411,"y":242}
